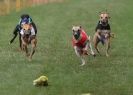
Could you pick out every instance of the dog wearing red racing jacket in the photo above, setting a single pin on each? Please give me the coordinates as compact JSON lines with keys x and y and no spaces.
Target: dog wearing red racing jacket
{"x":81,"y":43}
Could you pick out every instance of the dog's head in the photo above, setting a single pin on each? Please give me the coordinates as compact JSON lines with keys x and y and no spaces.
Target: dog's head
{"x":26,"y":28}
{"x":76,"y":30}
{"x":104,"y":17}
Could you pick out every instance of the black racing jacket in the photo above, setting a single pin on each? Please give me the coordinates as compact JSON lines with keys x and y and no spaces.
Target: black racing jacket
{"x":102,"y":27}
{"x":30,"y":20}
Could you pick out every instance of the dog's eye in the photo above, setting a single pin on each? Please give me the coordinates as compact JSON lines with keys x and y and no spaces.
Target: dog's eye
{"x":101,"y":17}
{"x":106,"y":17}
{"x":78,"y":30}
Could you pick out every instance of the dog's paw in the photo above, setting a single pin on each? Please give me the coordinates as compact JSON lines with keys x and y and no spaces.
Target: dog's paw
{"x":94,"y":55}
{"x":107,"y":55}
{"x":85,"y":52}
{"x":83,"y":63}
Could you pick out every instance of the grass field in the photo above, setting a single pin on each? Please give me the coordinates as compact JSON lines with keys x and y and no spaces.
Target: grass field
{"x":55,"y":56}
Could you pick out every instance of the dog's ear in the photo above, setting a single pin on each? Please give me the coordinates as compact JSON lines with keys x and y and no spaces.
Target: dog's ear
{"x":101,"y":12}
{"x":72,"y":27}
{"x":106,"y":11}
{"x":80,"y":26}
{"x":108,"y":15}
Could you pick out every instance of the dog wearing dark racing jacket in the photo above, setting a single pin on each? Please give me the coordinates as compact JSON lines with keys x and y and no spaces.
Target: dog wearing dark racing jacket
{"x":81,"y":43}
{"x":28,"y":36}
{"x":103,"y":32}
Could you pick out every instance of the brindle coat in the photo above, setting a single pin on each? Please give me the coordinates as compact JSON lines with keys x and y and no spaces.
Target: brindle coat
{"x":103,"y":32}
{"x":28,"y":39}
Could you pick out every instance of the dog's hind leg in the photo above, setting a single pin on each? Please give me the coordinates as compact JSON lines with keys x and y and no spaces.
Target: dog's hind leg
{"x":78,"y":53}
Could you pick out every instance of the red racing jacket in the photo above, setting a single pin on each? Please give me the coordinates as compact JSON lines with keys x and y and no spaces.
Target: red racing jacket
{"x":81,"y":42}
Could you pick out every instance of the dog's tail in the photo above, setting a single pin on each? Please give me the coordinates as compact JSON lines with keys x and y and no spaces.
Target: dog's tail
{"x":112,"y":35}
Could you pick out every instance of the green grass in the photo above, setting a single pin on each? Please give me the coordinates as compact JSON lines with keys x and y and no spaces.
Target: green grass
{"x":55,"y":56}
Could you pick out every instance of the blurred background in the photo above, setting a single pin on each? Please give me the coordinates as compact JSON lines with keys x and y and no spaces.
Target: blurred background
{"x":6,"y":6}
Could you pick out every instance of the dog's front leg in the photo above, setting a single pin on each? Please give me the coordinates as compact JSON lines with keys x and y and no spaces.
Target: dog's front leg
{"x":96,"y":41}
{"x":33,"y":43}
{"x":79,"y":54}
{"x":107,"y":47}
{"x":24,"y":46}
{"x":98,"y":34}
{"x":25,"y":49}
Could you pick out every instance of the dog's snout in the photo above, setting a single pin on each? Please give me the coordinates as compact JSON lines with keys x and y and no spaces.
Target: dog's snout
{"x":76,"y":34}
{"x":104,"y":17}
